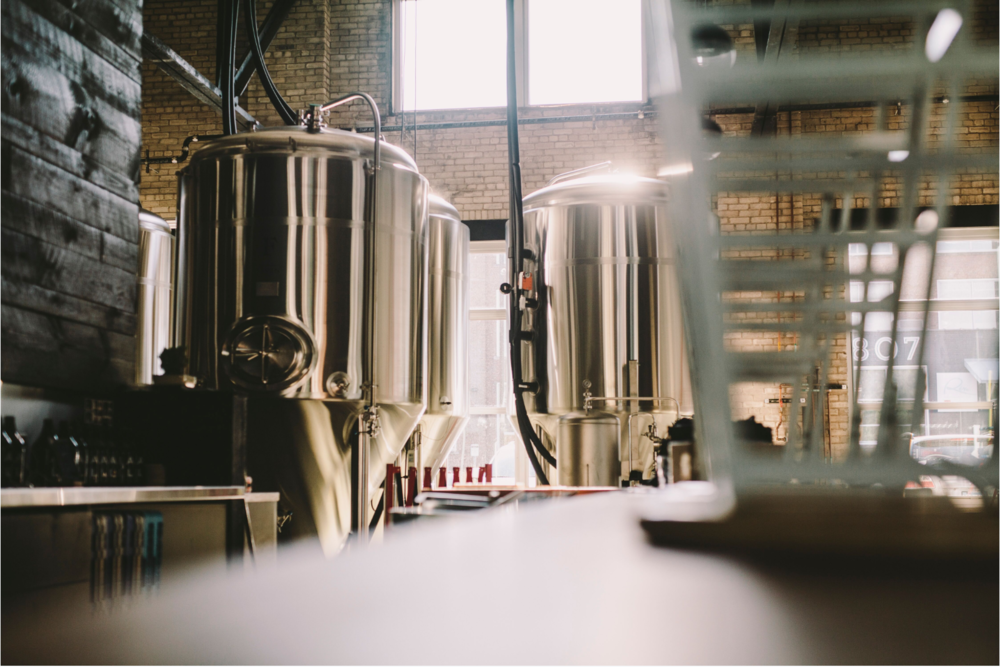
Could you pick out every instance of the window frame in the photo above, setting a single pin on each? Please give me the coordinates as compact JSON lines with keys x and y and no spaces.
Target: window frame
{"x":521,"y":57}
{"x":917,"y":305}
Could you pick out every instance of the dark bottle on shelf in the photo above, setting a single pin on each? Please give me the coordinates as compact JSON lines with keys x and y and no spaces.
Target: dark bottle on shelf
{"x":104,"y":465}
{"x":44,"y":457}
{"x":15,"y":455}
{"x":92,"y":445}
{"x":130,"y":476}
{"x":114,"y":458}
{"x":83,"y":469}
{"x":70,"y":456}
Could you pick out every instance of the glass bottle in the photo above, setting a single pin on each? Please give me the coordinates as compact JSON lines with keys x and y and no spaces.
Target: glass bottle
{"x":104,"y":466}
{"x":83,"y":470}
{"x":15,"y":455}
{"x":93,"y":447}
{"x":70,"y":456}
{"x":114,"y":459}
{"x":44,"y":461}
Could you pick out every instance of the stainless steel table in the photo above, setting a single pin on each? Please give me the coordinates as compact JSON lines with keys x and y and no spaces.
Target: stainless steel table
{"x":565,"y":581}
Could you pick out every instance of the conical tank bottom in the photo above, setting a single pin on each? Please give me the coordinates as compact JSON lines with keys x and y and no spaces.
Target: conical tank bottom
{"x":302,"y":448}
{"x":438,"y":432}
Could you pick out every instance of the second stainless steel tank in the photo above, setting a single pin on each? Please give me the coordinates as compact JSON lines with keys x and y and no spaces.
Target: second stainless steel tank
{"x":608,"y":319}
{"x":447,"y":332}
{"x":271,"y":302}
{"x":152,"y":330}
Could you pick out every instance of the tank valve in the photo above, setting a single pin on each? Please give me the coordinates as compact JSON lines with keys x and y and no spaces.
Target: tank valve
{"x":530,"y":387}
{"x":314,"y":118}
{"x":527,"y":254}
{"x":506,"y":288}
{"x":527,"y":336}
{"x":528,"y":302}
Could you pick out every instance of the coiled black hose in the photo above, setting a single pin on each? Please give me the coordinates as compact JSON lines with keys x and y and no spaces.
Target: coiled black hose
{"x":287,"y":114}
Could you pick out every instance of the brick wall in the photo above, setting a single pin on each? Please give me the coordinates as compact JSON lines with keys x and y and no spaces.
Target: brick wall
{"x":469,"y":165}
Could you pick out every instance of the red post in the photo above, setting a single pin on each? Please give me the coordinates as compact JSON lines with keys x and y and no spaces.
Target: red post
{"x":455,"y":478}
{"x":442,"y":477}
{"x":411,"y":488}
{"x":489,"y":473}
{"x":482,"y":473}
{"x":468,"y":474}
{"x":427,"y":477}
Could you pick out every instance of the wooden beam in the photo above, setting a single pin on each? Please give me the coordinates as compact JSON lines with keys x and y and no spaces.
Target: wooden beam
{"x":189,"y":78}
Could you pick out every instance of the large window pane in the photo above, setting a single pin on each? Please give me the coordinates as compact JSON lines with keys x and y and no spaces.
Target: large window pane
{"x":454,"y":54}
{"x":487,"y":271}
{"x":584,"y":51}
{"x":489,"y":370}
{"x":486,"y":439}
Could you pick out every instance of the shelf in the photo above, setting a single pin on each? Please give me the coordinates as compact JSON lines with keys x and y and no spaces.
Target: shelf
{"x":115,"y":495}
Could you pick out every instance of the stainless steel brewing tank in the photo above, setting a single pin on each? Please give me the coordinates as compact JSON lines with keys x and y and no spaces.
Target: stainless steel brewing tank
{"x":588,"y":448}
{"x":607,"y":290}
{"x":447,"y":332}
{"x":271,"y":270}
{"x":156,"y":259}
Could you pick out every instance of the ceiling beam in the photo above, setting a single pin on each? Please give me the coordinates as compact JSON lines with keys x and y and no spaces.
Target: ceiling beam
{"x":189,"y":78}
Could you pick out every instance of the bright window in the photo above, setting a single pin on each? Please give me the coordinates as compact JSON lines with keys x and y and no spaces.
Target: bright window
{"x":584,"y":51}
{"x":959,"y":353}
{"x":451,"y":54}
{"x":489,"y":437}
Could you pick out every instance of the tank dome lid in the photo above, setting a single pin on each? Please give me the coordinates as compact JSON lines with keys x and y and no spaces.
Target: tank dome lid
{"x":298,"y":139}
{"x":442,"y":208}
{"x":152,"y":222}
{"x":600,"y":189}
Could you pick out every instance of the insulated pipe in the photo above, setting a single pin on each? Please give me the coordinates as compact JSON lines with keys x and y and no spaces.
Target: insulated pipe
{"x":228,"y":12}
{"x":531,"y":442}
{"x":272,"y":22}
{"x":257,"y":54}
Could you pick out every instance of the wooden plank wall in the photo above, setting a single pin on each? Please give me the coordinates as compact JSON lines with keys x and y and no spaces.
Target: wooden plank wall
{"x":70,"y":140}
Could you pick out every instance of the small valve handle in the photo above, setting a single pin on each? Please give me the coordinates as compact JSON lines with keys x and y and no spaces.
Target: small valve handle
{"x":506,"y":288}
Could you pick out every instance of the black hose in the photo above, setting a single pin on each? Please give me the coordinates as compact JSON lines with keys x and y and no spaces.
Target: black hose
{"x":287,"y":114}
{"x":228,"y":10}
{"x":516,"y":243}
{"x":272,"y":22}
